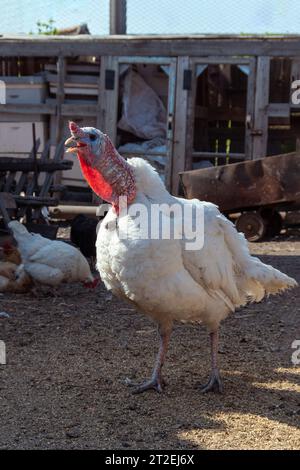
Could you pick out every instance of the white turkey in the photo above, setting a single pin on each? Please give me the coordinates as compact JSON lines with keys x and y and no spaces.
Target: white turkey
{"x":50,"y":262}
{"x":161,"y":277}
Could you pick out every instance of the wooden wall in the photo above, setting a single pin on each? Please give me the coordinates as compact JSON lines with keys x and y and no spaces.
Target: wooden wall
{"x":230,"y":114}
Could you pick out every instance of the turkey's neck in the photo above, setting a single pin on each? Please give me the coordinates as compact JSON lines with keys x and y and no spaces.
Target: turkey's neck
{"x":109,"y":175}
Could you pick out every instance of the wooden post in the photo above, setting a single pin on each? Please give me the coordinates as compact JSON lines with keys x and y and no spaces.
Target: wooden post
{"x":178,"y":163}
{"x":250,"y":109}
{"x":60,"y":96}
{"x":109,"y":95}
{"x":260,"y":130}
{"x":191,"y":104}
{"x":117,"y":17}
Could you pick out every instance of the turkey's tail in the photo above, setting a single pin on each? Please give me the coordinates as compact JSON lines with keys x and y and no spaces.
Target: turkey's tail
{"x":271,"y":280}
{"x":254,"y":278}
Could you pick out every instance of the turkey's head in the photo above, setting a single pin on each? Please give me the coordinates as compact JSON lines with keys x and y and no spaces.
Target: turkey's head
{"x":86,"y":140}
{"x":91,"y":284}
{"x":107,"y":173}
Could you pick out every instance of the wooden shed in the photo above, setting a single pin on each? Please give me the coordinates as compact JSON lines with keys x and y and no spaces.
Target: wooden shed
{"x":226,"y":98}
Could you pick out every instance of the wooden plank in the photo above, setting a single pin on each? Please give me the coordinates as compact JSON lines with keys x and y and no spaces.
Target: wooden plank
{"x":109,"y":98}
{"x":100,"y":113}
{"x":49,"y":175}
{"x":220,"y":114}
{"x":279,"y":110}
{"x":191,"y":109}
{"x":165,"y":45}
{"x":73,"y":79}
{"x":208,"y":155}
{"x":228,"y":59}
{"x":260,"y":130}
{"x":84,"y":90}
{"x":24,"y":176}
{"x":79,"y":110}
{"x":170,"y":122}
{"x":3,"y":210}
{"x":24,"y":164}
{"x":117,"y":24}
{"x":28,"y":108}
{"x":9,"y":180}
{"x":8,"y":200}
{"x":60,"y":96}
{"x":144,"y":60}
{"x":250,"y":109}
{"x":101,"y":85}
{"x":36,"y":201}
{"x":178,"y":160}
{"x":80,"y":68}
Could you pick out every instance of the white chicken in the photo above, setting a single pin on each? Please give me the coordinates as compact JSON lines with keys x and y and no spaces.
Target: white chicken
{"x":50,"y":262}
{"x":161,"y":277}
{"x":11,"y":280}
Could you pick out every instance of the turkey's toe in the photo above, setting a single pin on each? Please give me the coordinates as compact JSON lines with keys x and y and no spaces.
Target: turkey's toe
{"x":214,"y":384}
{"x":152,"y":384}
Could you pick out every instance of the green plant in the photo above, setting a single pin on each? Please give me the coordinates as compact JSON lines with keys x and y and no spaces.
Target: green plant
{"x":46,"y":27}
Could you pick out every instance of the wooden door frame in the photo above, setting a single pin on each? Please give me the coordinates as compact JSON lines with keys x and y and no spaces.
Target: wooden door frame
{"x":251,"y":62}
{"x":108,"y":99}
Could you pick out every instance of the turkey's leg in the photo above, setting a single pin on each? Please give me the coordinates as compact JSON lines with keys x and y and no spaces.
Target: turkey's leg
{"x":157,"y":382}
{"x":214,"y":384}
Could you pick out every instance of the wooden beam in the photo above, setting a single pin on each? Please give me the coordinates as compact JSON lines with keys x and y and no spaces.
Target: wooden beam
{"x":165,"y":45}
{"x":101,"y":84}
{"x":178,"y":159}
{"x":118,"y":13}
{"x":210,"y":155}
{"x":109,"y":97}
{"x":79,"y":110}
{"x":170,"y":122}
{"x":279,"y":110}
{"x":251,"y":86}
{"x":13,"y":164}
{"x":60,"y":96}
{"x":260,"y":129}
{"x":43,"y":108}
{"x":191,"y":110}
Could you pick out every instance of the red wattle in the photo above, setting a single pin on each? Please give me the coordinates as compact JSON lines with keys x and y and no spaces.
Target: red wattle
{"x":96,"y":181}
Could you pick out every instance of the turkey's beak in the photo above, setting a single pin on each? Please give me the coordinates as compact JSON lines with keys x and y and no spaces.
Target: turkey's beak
{"x":74,"y":143}
{"x":78,"y":138}
{"x":71,"y":144}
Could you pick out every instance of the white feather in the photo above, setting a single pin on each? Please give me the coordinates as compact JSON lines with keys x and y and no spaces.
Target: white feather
{"x":50,"y":261}
{"x":168,"y":282}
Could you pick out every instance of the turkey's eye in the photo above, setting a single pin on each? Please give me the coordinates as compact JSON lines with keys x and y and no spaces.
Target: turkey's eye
{"x":92,"y":137}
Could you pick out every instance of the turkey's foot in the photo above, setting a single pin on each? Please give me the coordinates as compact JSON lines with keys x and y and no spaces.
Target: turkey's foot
{"x":214,"y":384}
{"x":155,"y":383}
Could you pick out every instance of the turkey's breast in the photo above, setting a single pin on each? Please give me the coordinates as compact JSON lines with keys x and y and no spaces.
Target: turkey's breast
{"x":151,"y":274}
{"x":169,"y":281}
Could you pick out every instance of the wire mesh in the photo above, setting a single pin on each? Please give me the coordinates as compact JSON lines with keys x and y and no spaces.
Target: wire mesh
{"x":154,"y":16}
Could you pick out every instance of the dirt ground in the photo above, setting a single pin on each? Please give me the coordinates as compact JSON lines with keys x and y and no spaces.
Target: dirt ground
{"x":69,"y":356}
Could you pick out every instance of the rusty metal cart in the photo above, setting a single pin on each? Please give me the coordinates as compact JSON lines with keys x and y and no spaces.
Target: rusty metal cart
{"x":258,"y":189}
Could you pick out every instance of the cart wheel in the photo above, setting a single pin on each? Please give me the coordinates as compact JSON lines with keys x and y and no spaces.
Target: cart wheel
{"x":252,"y":225}
{"x":274,"y":223}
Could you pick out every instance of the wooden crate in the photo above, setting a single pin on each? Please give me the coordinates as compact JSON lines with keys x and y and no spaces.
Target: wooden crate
{"x":16,"y":137}
{"x":24,"y":90}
